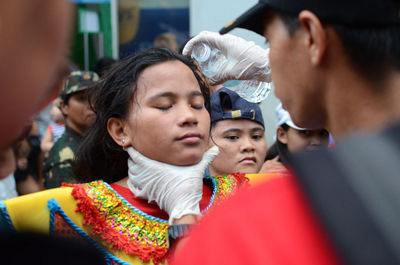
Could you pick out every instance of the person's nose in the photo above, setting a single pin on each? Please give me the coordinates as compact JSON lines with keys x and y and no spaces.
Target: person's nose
{"x":315,"y":140}
{"x":187,"y":116}
{"x":247,"y":145}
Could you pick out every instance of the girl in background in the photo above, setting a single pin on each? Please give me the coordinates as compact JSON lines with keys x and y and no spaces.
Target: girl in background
{"x":291,"y":138}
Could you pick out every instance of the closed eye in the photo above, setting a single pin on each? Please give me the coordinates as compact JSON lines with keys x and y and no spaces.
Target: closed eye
{"x":196,"y":100}
{"x":197,"y":106}
{"x":164,"y":108}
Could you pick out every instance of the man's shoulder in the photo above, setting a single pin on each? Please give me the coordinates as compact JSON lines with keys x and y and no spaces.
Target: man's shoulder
{"x":355,"y":190}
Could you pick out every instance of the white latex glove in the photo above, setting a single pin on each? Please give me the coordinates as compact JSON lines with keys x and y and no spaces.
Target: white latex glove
{"x":176,"y":189}
{"x":246,"y":60}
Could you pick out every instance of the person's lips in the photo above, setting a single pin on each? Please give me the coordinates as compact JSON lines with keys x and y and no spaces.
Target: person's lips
{"x":248,"y":160}
{"x":190,"y":138}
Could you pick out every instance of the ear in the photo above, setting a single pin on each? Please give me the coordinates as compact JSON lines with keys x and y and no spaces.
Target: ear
{"x":316,"y":39}
{"x":281,"y":134}
{"x":119,"y":132}
{"x":64,"y":107}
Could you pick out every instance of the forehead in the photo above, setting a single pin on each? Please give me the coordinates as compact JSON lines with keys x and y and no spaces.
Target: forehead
{"x":166,"y":75}
{"x":240,"y":124}
{"x":171,"y":70}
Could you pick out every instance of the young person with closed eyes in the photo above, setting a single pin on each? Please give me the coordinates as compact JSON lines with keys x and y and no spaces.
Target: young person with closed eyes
{"x":143,"y":159}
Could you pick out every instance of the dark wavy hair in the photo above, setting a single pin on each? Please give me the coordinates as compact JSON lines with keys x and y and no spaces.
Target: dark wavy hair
{"x":98,"y":156}
{"x":279,"y":149}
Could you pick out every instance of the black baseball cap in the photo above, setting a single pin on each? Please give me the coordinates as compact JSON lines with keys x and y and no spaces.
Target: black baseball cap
{"x":350,"y":12}
{"x":227,"y":104}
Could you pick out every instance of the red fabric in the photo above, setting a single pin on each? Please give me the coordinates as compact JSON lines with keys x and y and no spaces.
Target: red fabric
{"x":153,"y":209}
{"x":271,"y":224}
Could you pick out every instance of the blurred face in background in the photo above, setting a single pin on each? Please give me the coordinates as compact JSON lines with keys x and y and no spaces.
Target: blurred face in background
{"x":242,"y":147}
{"x":80,"y":115}
{"x":307,"y":140}
{"x":33,"y":46}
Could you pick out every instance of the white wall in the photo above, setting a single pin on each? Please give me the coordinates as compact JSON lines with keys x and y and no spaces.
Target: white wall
{"x":212,"y":15}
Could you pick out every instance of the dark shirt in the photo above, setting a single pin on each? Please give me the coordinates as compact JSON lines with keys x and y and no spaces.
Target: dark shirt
{"x":57,"y":166}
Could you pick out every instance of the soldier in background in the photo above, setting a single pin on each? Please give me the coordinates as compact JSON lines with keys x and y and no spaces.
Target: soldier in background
{"x":57,"y":167}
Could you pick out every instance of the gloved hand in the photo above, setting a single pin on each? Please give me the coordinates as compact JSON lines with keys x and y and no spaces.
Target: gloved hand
{"x":176,"y":189}
{"x":246,"y":60}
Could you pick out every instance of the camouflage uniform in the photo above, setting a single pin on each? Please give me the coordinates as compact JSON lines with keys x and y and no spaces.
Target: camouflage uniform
{"x":78,"y":81}
{"x":57,"y":166}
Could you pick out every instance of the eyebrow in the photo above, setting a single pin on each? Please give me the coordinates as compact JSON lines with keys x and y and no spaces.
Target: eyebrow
{"x":173,"y":95}
{"x":163,"y":95}
{"x":232,"y":130}
{"x":195,"y":94}
{"x":257,"y":129}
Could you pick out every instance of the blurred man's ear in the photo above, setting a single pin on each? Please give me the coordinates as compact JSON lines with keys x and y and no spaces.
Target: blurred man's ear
{"x":316,"y":39}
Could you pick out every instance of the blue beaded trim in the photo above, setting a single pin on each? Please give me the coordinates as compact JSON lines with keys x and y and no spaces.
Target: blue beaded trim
{"x":5,"y":220}
{"x":214,"y":183}
{"x":55,"y":207}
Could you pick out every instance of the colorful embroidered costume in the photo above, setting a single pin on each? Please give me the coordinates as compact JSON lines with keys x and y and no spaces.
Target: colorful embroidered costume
{"x":95,"y":212}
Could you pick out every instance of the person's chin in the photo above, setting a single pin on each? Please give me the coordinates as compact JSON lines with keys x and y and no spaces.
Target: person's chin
{"x":248,"y":169}
{"x":312,"y":148}
{"x":190,"y":159}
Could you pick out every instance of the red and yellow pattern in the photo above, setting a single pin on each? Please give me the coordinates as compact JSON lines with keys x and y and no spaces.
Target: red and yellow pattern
{"x":124,"y":227}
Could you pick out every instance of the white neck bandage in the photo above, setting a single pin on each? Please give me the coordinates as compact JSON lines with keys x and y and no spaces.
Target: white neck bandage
{"x":176,"y":189}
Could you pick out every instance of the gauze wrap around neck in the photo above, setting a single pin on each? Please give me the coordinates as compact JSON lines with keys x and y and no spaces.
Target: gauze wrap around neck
{"x":176,"y":189}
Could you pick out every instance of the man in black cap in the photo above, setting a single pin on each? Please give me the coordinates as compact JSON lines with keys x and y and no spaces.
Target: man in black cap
{"x":331,"y":59}
{"x":335,"y":64}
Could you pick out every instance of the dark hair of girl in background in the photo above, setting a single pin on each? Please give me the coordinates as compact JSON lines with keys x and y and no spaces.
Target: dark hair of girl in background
{"x":98,"y":156}
{"x":279,"y":149}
